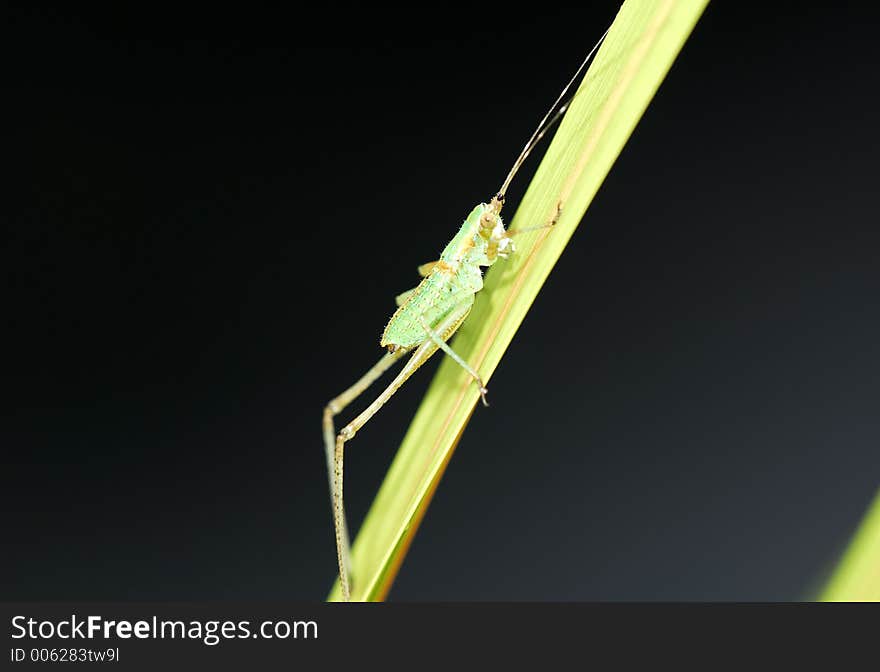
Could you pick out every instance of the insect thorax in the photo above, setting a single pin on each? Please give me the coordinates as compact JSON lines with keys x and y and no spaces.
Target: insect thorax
{"x":481,"y":239}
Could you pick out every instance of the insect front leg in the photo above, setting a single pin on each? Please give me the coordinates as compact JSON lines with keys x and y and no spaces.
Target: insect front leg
{"x":548,"y":225}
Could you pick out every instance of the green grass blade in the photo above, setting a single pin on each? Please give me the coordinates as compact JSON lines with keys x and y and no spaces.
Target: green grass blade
{"x":857,"y":578}
{"x":642,"y":44}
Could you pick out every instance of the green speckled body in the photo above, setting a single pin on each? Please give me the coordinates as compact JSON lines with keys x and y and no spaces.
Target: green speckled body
{"x":451,"y":283}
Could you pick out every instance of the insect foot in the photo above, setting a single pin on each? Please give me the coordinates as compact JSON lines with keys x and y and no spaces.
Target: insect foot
{"x":558,"y":213}
{"x":506,"y":247}
{"x":483,"y":393}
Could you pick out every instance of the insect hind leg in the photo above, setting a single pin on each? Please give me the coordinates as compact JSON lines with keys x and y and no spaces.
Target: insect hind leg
{"x":337,"y":447}
{"x":333,"y":408}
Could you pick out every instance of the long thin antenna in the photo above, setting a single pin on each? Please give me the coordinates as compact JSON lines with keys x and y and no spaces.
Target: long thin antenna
{"x":544,"y":126}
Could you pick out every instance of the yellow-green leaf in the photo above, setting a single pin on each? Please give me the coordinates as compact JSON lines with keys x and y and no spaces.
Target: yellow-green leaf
{"x":857,"y":578}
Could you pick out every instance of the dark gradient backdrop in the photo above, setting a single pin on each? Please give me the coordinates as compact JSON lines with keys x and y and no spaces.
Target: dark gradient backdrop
{"x":205,"y":232}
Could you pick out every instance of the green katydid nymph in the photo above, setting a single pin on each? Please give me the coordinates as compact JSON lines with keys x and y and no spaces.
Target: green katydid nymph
{"x":428,"y":315}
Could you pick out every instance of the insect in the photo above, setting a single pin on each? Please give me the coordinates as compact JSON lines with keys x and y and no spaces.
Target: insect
{"x":426,"y":318}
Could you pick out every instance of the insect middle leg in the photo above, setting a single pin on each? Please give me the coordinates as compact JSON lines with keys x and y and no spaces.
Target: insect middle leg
{"x":444,"y":346}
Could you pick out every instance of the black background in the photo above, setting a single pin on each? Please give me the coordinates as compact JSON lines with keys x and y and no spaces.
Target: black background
{"x":208,"y":217}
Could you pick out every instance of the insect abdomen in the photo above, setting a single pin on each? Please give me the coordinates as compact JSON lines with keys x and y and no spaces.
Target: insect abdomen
{"x":430,"y":301}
